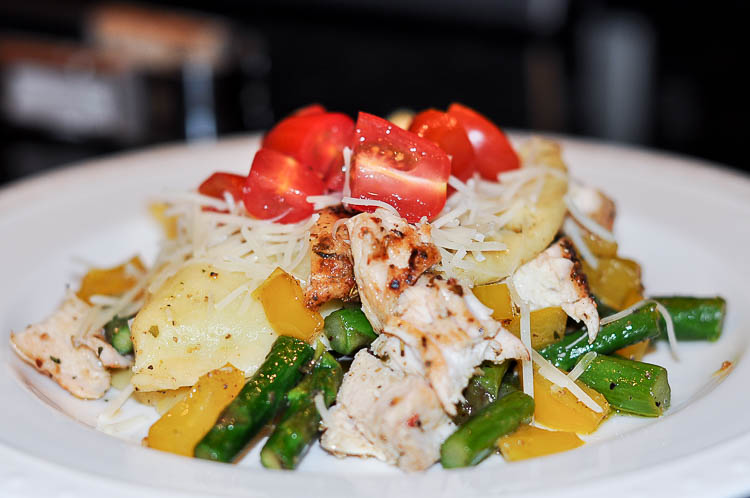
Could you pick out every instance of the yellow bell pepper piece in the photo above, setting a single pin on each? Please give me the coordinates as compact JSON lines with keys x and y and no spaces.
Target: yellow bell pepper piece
{"x":547,"y":326}
{"x":284,"y":304}
{"x":600,"y":247}
{"x":497,"y":297}
{"x":168,"y":223}
{"x":634,"y":351}
{"x":185,"y":424}
{"x":615,"y":280}
{"x":559,"y":409}
{"x":110,"y":281}
{"x":531,"y":442}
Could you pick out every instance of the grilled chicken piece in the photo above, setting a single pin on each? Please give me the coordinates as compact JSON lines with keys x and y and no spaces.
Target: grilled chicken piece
{"x":77,"y":364}
{"x":441,"y":338}
{"x":594,"y":204}
{"x":389,"y":255}
{"x":332,"y":274}
{"x":426,"y":323}
{"x":555,"y":278}
{"x":383,"y":413}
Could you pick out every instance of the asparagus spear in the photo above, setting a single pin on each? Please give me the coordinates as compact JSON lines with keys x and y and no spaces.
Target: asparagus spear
{"x":476,"y":439}
{"x":511,"y":383}
{"x":117,"y":332}
{"x":348,"y":330}
{"x":299,"y":426}
{"x":642,"y":324}
{"x":630,"y":386}
{"x":482,"y":390}
{"x":258,"y":401}
{"x":696,"y":318}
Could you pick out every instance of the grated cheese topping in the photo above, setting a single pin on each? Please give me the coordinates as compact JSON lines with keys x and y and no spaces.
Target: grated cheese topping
{"x":478,"y":211}
{"x":320,"y":405}
{"x":582,"y":365}
{"x":323,"y":201}
{"x":572,"y":230}
{"x":106,"y":416}
{"x":347,"y":153}
{"x":587,"y":222}
{"x":527,"y":366}
{"x":351,"y":201}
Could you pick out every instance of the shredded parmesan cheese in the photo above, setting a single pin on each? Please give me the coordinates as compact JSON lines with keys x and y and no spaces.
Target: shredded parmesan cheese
{"x":239,"y":291}
{"x":582,"y":365}
{"x":369,"y":202}
{"x":347,"y":153}
{"x":571,"y":229}
{"x":323,"y":201}
{"x":478,"y":212}
{"x":527,"y":366}
{"x":588,"y":223}
{"x":320,"y":405}
{"x":123,"y":426}
{"x":114,"y":406}
{"x":552,"y":374}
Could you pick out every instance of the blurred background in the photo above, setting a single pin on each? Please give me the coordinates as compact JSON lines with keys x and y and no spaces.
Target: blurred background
{"x":84,"y":78}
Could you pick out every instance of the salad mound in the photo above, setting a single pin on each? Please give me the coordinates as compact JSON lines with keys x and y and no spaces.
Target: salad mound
{"x":415,"y":293}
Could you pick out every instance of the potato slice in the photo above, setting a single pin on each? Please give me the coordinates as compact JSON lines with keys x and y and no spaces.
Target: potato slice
{"x":185,"y":330}
{"x":534,"y":227}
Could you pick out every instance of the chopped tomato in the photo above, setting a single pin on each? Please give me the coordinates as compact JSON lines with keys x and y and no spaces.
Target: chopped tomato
{"x":218,"y":183}
{"x":398,"y":167}
{"x":309,"y":110}
{"x":314,"y":139}
{"x":493,"y":153}
{"x":445,"y":130}
{"x":279,"y":184}
{"x":334,"y":180}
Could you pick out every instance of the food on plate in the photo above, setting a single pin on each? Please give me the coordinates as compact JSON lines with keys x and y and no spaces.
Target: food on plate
{"x":191,"y":325}
{"x":415,"y":292}
{"x":185,"y":424}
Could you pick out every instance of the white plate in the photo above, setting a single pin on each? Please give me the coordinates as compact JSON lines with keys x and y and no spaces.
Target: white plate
{"x":686,"y":222}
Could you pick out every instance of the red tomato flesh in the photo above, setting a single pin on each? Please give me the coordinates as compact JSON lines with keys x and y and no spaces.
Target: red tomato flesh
{"x":449,"y":135}
{"x":279,"y":184}
{"x":316,"y":140}
{"x":398,"y":167}
{"x":218,"y":183}
{"x":493,"y":153}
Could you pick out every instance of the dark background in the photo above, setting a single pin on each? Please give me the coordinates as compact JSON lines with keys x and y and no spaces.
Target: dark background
{"x":668,"y":75}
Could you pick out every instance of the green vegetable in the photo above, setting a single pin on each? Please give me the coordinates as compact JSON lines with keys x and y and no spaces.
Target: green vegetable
{"x":117,"y":332}
{"x":476,"y":439}
{"x":482,"y":390}
{"x":511,"y":383}
{"x":642,"y":324}
{"x":695,"y":318}
{"x":629,"y":386}
{"x":348,"y":330}
{"x":299,"y":426}
{"x":258,"y":401}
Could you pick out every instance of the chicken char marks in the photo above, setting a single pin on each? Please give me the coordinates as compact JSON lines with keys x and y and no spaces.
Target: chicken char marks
{"x":389,"y":256}
{"x":426,"y":327}
{"x":331,"y":271}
